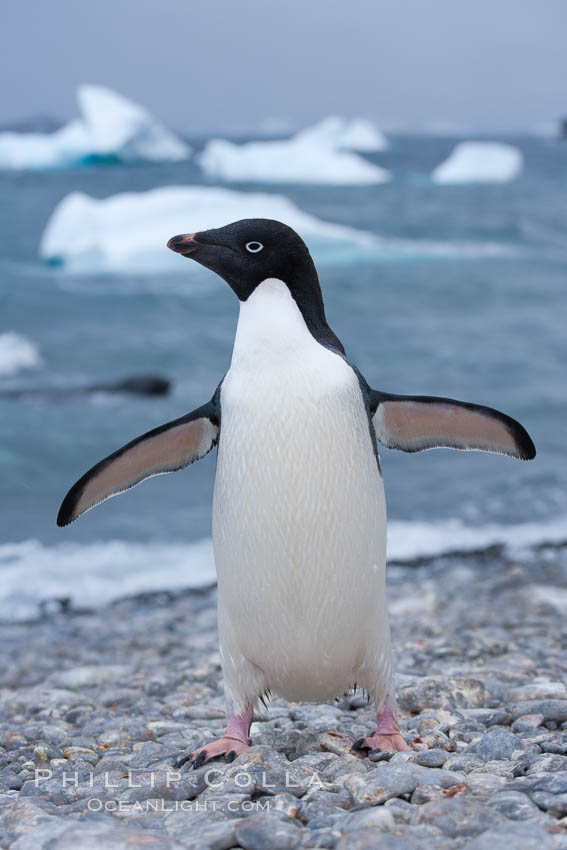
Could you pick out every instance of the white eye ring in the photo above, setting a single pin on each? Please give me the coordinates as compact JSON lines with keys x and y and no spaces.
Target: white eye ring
{"x":254,"y":247}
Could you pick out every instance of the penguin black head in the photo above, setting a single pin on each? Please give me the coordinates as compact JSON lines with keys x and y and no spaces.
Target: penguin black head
{"x":249,"y":251}
{"x":252,"y":250}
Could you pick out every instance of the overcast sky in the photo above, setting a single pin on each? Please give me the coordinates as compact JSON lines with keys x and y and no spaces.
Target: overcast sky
{"x":213,"y":64}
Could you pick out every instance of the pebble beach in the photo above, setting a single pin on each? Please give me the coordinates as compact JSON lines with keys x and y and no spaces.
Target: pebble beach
{"x":98,"y":706}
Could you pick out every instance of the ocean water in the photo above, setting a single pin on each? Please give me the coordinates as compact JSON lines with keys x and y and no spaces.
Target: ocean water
{"x":468,"y":299}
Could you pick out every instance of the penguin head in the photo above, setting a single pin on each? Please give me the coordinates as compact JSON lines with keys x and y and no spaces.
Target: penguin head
{"x":249,"y":251}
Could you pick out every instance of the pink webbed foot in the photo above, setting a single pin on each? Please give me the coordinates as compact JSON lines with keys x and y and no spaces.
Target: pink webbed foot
{"x":233,"y":742}
{"x":225,"y":746}
{"x":387,"y":736}
{"x":383,"y":742}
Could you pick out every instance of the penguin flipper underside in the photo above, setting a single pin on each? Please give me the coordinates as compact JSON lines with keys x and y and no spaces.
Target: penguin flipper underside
{"x":418,"y":423}
{"x":164,"y":449}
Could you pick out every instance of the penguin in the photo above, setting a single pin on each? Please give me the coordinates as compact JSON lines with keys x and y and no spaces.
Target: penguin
{"x":299,"y":512}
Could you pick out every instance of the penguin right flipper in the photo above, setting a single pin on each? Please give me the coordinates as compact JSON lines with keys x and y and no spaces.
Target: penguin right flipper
{"x":165,"y":449}
{"x":417,"y":423}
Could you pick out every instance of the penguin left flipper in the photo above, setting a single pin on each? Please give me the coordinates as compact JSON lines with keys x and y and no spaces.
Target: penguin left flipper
{"x":165,"y":449}
{"x":417,"y":423}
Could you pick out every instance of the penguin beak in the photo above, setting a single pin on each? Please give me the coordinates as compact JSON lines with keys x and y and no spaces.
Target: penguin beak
{"x":185,"y":244}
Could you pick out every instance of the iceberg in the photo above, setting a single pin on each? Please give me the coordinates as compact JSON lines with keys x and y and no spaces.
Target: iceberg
{"x":356,"y":134}
{"x":111,"y":127}
{"x":316,"y":155}
{"x":128,"y":232}
{"x":479,"y":162}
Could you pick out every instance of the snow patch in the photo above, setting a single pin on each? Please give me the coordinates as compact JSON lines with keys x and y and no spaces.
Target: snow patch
{"x":17,"y":352}
{"x":110,"y":127}
{"x":479,"y":162}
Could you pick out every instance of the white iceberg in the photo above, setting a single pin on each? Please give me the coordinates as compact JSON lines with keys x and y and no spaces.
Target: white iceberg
{"x":16,"y":353}
{"x":479,"y":162}
{"x":356,"y":134}
{"x":128,"y":232}
{"x":316,"y":155}
{"x":110,"y":127}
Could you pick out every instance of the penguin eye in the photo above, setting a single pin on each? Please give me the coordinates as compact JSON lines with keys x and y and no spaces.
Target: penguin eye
{"x":254,"y":247}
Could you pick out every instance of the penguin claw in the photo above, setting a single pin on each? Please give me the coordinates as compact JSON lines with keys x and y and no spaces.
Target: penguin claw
{"x":382,"y":741}
{"x":199,"y":759}
{"x":183,"y":760}
{"x":226,"y":746}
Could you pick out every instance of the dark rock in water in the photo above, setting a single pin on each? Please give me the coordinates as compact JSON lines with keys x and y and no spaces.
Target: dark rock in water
{"x":134,"y":385}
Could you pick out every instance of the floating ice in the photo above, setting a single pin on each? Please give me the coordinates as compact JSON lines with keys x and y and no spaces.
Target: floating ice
{"x":110,"y":127}
{"x":17,"y":352}
{"x":128,"y":232}
{"x":356,"y":134}
{"x":315,"y":155}
{"x":479,"y":162}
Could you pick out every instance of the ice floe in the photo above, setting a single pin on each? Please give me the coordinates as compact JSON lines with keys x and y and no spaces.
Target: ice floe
{"x":316,"y":155}
{"x":479,"y":162}
{"x":126,"y":233}
{"x":16,"y":353}
{"x":111,"y":127}
{"x":356,"y":134}
{"x":129,"y":231}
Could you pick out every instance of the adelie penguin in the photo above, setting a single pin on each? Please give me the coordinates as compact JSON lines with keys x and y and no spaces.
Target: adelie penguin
{"x":299,"y":515}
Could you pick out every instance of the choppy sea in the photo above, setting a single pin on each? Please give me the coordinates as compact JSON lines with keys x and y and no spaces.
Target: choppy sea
{"x":481,"y":317}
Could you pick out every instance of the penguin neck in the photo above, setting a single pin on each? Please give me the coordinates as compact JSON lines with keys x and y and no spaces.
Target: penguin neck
{"x":275,"y":320}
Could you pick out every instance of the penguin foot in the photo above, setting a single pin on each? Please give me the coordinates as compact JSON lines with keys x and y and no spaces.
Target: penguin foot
{"x":225,"y":746}
{"x":234,"y":741}
{"x":383,"y":742}
{"x":387,"y":737}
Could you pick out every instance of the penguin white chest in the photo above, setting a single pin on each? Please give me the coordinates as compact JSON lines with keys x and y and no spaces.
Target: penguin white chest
{"x":299,"y":513}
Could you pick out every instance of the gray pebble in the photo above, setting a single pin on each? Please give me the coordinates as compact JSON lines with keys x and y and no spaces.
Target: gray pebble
{"x":431,"y":758}
{"x":551,"y":709}
{"x":376,"y":817}
{"x":498,"y":743}
{"x":516,"y":836}
{"x":457,"y":817}
{"x":264,"y":832}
